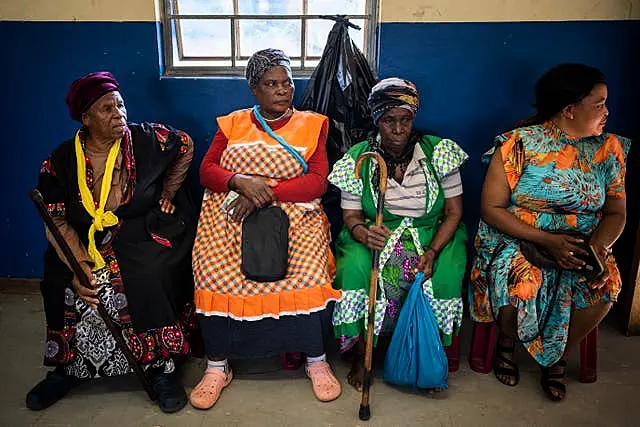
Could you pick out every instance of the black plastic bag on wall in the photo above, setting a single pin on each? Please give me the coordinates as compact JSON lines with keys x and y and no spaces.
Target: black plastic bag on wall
{"x":339,"y":88}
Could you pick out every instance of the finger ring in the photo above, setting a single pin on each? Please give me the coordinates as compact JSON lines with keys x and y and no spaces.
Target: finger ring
{"x":570,"y":253}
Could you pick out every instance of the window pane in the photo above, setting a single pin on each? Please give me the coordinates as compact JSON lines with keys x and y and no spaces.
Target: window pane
{"x":205,"y":7}
{"x":270,"y":7}
{"x":202,"y":37}
{"x":333,"y":7}
{"x":318,"y":31}
{"x":256,"y":34}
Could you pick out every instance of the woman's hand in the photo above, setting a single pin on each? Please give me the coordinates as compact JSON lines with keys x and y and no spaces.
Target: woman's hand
{"x":602,"y":252}
{"x":240,"y":208}
{"x":425,"y":265}
{"x":90,"y":296}
{"x":166,"y":206}
{"x":563,"y":248}
{"x":377,"y":237}
{"x":256,"y":189}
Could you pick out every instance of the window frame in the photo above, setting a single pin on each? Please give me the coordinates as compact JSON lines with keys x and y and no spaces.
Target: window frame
{"x":370,"y":37}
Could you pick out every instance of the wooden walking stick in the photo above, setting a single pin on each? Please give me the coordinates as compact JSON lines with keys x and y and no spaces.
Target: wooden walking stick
{"x":36,"y":197}
{"x":365,"y":410}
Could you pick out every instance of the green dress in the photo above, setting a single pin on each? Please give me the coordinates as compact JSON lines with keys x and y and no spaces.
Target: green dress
{"x":406,"y":244}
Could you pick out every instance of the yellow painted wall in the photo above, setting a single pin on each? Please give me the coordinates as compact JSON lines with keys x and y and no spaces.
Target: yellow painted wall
{"x":507,"y":10}
{"x":77,"y":10}
{"x":390,"y":10}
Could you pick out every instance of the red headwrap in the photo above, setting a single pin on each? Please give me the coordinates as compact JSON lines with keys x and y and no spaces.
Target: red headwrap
{"x":87,"y":90}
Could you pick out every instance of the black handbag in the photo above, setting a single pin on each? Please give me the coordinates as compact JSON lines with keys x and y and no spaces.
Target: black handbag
{"x":265,"y":245}
{"x":540,"y":258}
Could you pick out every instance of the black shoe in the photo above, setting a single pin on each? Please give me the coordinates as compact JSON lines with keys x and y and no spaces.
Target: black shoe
{"x":170,"y":392}
{"x":52,"y":388}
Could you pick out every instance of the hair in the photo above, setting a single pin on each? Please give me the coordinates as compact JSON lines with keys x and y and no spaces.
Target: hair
{"x":559,"y":87}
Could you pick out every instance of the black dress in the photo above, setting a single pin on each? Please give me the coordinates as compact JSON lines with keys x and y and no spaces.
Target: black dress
{"x":147,"y":278}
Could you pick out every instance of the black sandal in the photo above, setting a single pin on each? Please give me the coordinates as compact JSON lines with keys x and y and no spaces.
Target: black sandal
{"x":511,"y":370}
{"x":549,"y":382}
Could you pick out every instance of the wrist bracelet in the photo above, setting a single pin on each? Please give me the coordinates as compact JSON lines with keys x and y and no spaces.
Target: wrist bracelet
{"x":356,"y":225}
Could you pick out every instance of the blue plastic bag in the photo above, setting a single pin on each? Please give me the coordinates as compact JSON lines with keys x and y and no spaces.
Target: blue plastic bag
{"x":416,"y":357}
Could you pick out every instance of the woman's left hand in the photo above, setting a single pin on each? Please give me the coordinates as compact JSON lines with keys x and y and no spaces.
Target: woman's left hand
{"x":240,"y":208}
{"x":601,"y":250}
{"x":425,"y":265}
{"x":603,"y":253}
{"x":167,"y":207}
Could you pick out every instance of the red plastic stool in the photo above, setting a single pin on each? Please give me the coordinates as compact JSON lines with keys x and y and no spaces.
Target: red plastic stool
{"x":483,"y":343}
{"x":453,"y":354}
{"x":589,"y":357}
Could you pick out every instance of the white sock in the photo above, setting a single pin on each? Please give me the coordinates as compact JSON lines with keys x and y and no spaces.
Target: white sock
{"x":321,"y":358}
{"x":223,"y":365}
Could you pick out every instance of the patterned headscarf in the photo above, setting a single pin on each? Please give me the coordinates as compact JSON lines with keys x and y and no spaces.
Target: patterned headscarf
{"x":261,"y":61}
{"x":393,"y":93}
{"x":85,"y":91}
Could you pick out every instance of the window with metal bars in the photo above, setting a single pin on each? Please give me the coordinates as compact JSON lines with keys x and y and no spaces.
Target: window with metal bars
{"x":217,"y":37}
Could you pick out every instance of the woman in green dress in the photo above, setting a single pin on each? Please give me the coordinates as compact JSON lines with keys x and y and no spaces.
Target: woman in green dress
{"x":421,"y":230}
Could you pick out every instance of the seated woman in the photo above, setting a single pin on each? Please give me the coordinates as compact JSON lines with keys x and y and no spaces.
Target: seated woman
{"x":271,"y":155}
{"x":422,"y":228}
{"x":113,"y":192}
{"x":554,"y":177}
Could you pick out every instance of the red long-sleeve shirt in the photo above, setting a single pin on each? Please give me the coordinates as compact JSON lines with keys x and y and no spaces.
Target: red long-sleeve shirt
{"x":305,"y":188}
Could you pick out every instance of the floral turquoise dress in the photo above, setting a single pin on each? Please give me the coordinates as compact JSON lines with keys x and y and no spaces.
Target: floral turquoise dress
{"x":558,"y":183}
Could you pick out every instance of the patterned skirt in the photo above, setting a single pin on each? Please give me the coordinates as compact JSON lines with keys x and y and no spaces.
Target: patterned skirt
{"x":354,"y":269}
{"x":147,"y":290}
{"x":543,"y":298}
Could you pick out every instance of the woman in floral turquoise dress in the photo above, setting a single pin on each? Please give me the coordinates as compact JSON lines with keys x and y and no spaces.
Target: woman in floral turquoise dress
{"x":558,"y":175}
{"x":421,"y":231}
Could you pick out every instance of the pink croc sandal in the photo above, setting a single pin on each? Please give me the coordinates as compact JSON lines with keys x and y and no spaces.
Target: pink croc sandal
{"x":325,"y":385}
{"x":208,"y":390}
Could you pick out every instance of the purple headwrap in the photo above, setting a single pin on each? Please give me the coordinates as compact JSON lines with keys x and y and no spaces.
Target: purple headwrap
{"x":85,"y":91}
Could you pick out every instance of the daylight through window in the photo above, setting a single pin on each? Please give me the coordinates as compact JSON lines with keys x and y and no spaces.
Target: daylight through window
{"x":217,"y":37}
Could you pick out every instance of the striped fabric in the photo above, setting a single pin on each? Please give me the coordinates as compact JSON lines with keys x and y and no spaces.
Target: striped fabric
{"x":408,"y":199}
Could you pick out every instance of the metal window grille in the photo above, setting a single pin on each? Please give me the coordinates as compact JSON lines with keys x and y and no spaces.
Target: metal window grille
{"x":177,"y":61}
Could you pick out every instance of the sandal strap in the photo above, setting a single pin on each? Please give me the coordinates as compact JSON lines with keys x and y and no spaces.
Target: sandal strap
{"x":555,"y":384}
{"x":504,"y":359}
{"x":556,"y":376}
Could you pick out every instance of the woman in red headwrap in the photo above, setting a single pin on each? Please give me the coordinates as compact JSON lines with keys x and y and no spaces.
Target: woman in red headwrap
{"x":114,"y":191}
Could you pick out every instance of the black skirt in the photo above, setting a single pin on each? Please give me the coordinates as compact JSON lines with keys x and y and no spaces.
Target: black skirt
{"x":235,"y":339}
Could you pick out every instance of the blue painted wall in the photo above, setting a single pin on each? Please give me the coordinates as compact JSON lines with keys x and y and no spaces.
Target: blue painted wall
{"x":475,"y":80}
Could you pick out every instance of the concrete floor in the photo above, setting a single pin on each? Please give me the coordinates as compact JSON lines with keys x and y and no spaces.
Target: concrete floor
{"x":285,"y":399}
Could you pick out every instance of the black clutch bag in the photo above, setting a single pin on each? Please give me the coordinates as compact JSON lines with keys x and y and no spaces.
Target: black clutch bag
{"x":265,"y":245}
{"x":539,"y":257}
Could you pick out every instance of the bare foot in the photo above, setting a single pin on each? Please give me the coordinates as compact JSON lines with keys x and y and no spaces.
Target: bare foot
{"x":355,"y":377}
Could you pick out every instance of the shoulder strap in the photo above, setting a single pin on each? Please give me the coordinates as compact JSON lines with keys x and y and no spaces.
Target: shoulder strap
{"x":272,"y":134}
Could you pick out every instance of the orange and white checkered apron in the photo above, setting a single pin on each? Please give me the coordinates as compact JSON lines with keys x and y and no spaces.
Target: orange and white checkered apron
{"x":220,"y":287}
